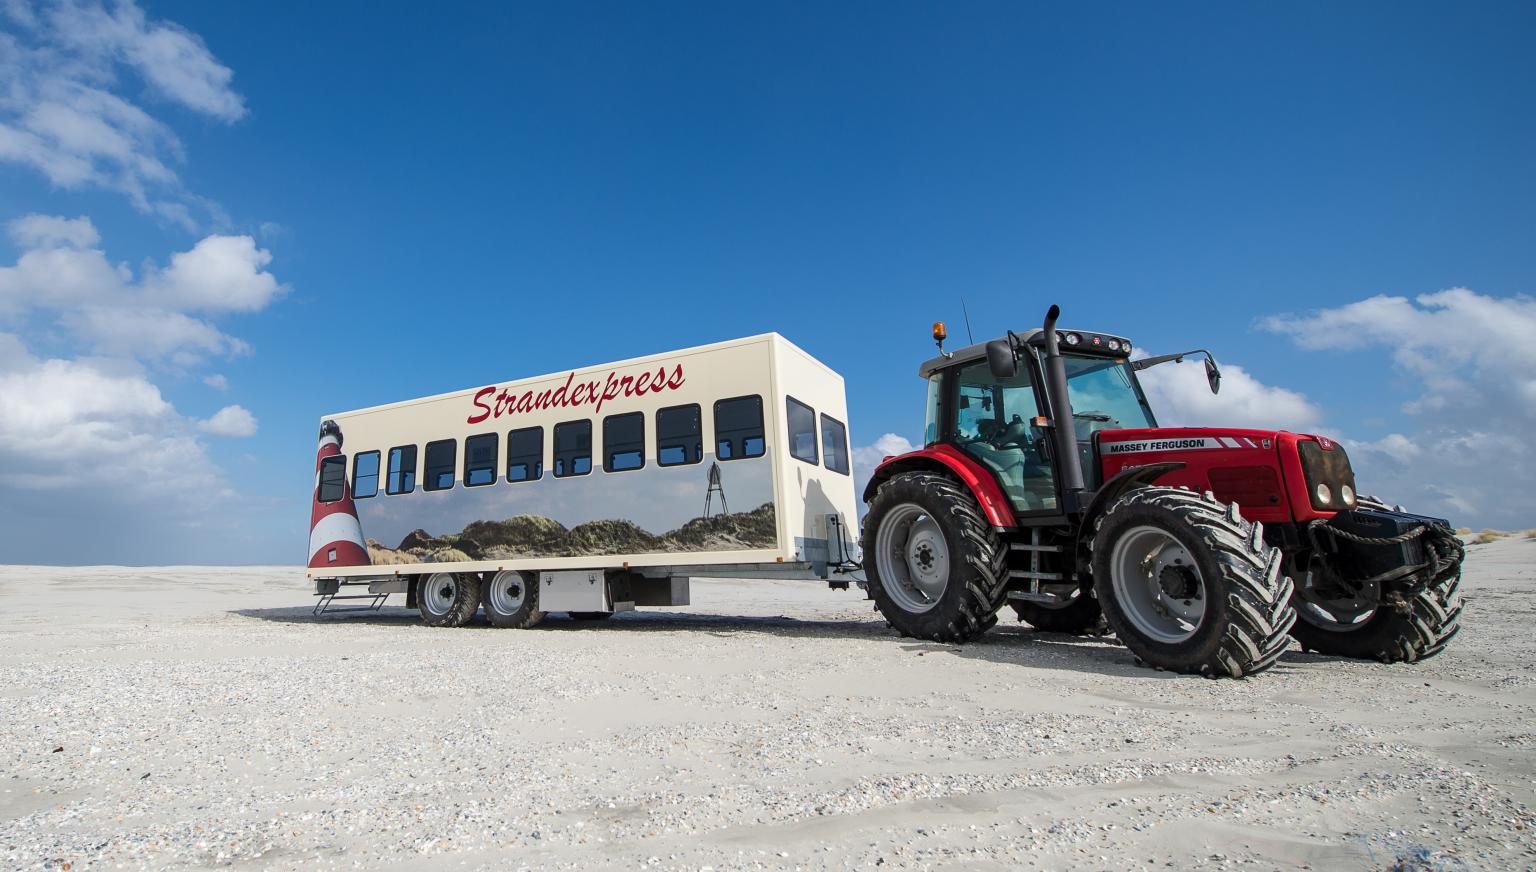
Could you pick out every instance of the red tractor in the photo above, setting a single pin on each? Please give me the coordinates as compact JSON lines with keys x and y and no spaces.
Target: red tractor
{"x":1046,"y":484}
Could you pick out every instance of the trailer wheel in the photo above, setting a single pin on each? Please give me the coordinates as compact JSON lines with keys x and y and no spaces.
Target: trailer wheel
{"x":448,"y":599}
{"x":934,"y":566}
{"x":1188,"y":585}
{"x":512,"y":599}
{"x":1080,"y":616}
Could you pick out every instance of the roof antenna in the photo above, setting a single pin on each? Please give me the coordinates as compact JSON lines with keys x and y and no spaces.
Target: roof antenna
{"x":968,"y":337}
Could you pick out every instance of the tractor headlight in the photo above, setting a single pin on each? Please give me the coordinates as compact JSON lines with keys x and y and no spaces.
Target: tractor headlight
{"x":1347,"y":494}
{"x":1114,"y":345}
{"x":1073,"y":339}
{"x":1324,"y":493}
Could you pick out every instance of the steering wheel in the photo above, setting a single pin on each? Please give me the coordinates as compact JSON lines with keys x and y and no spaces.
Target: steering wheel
{"x":1015,"y":434}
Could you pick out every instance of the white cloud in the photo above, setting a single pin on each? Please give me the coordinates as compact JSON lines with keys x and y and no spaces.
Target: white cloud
{"x":50,"y":231}
{"x":68,"y":424}
{"x":866,"y":457}
{"x":1469,"y":362}
{"x":220,"y":273}
{"x":1181,"y":397}
{"x":232,"y":421}
{"x":103,"y":306}
{"x":1469,"y":351}
{"x":59,"y":115}
{"x":216,"y":381}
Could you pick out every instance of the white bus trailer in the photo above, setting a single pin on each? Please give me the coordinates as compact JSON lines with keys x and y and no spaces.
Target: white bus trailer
{"x":591,"y":491}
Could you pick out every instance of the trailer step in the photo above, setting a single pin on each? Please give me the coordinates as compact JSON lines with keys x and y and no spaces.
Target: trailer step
{"x":324,"y":605}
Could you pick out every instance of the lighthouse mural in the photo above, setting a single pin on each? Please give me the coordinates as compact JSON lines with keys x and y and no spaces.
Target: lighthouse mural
{"x":335,"y":534}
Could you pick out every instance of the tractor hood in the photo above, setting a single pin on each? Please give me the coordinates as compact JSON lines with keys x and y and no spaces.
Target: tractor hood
{"x":1273,"y":475}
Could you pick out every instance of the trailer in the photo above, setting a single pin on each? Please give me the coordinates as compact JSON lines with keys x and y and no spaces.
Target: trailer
{"x":591,"y":491}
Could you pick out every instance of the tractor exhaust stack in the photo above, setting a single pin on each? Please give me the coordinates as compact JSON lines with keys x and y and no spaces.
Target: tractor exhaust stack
{"x":1063,"y":430}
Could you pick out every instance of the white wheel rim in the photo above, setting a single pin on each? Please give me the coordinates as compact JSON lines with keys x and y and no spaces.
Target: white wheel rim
{"x":912,"y":558}
{"x":439,"y":592}
{"x":508,"y":591}
{"x":1158,"y":585}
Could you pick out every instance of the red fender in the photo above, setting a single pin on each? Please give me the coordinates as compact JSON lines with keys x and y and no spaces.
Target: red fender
{"x":947,"y":458}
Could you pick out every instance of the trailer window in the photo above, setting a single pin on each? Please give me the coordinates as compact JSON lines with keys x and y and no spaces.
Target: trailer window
{"x":624,"y":442}
{"x":834,"y":444}
{"x":679,"y":435}
{"x":333,"y":478}
{"x":402,"y":470}
{"x":739,"y":428}
{"x":439,"y":473}
{"x":802,"y":430}
{"x":573,"y":448}
{"x":480,"y":459}
{"x":525,"y":454}
{"x":365,"y":475}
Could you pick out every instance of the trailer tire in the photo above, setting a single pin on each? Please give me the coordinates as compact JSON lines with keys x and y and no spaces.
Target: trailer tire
{"x":1214,"y":574}
{"x":512,"y":600}
{"x":920,"y":515}
{"x":1081,"y":617}
{"x":448,"y":599}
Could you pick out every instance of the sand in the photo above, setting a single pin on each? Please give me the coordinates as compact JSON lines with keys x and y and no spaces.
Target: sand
{"x":189,"y":717}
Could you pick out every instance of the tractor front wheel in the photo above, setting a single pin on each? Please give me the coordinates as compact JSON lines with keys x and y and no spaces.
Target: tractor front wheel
{"x":1331,"y":622}
{"x":934,"y":566}
{"x":1188,"y":585}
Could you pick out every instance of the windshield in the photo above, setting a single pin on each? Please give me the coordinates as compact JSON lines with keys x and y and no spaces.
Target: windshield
{"x":1105,"y":396}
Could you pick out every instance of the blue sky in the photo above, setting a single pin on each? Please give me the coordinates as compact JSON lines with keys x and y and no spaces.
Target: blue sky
{"x":399,"y":201}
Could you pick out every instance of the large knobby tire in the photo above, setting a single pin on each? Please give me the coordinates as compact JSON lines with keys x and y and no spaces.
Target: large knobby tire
{"x":1188,"y":585}
{"x":941,"y":575}
{"x":512,"y":600}
{"x":1081,"y":616}
{"x":1432,"y":619}
{"x":448,"y":599}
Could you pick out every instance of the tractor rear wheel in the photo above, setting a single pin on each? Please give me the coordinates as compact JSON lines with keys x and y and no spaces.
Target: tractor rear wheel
{"x":934,"y":566}
{"x":1078,"y":616}
{"x":1188,"y":585}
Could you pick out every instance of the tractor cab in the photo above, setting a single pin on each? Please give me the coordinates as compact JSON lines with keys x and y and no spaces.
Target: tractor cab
{"x":1001,"y":420}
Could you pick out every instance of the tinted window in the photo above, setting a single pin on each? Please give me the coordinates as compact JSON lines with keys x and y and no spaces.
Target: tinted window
{"x":739,"y":428}
{"x":679,"y":435}
{"x":573,"y":448}
{"x":402,"y":470}
{"x":439,"y":473}
{"x":834,"y":444}
{"x":525,"y":454}
{"x":624,"y":442}
{"x":333,"y":478}
{"x":802,"y":430}
{"x":480,"y":459}
{"x":365,"y":475}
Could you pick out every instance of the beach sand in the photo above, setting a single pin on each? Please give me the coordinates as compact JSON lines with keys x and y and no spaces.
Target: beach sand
{"x":190,"y":717}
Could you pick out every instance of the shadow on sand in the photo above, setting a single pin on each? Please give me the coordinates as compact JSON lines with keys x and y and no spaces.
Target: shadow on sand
{"x":1006,"y":643}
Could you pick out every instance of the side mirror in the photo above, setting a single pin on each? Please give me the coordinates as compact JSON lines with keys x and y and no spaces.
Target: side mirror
{"x":1212,"y":375}
{"x":1000,"y":359}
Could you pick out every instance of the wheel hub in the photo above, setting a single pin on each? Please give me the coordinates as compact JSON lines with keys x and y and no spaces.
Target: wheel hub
{"x":912,"y":558}
{"x":1178,"y":582}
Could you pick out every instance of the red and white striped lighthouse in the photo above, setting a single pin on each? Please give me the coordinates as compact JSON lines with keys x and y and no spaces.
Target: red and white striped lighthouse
{"x":335,"y":534}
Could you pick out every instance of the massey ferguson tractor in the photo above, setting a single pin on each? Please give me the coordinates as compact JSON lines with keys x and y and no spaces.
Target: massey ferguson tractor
{"x":1045,"y":484}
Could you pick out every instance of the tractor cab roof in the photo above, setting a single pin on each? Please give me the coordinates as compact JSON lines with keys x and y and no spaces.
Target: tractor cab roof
{"x":1087,"y":342}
